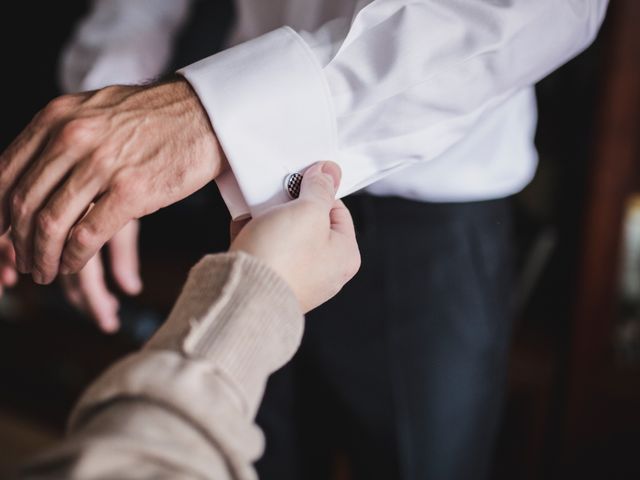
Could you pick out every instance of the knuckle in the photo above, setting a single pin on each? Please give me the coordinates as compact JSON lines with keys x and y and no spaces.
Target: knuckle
{"x":84,"y":238}
{"x":77,"y":131}
{"x":18,"y":206}
{"x":48,"y":226}
{"x":56,"y":108}
{"x":101,"y":162}
{"x":123,"y":191}
{"x":323,"y":182}
{"x":130,"y":201}
{"x":106,"y":92}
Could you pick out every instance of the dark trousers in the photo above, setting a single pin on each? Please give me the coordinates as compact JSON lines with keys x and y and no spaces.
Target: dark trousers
{"x":403,"y":373}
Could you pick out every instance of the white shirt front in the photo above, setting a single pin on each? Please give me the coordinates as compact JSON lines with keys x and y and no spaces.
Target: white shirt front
{"x":424,"y":99}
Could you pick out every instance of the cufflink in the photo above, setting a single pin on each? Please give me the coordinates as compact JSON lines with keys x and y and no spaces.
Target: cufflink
{"x":292,"y":184}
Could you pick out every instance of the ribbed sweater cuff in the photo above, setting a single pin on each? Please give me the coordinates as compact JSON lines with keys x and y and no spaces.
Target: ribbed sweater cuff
{"x":238,"y":314}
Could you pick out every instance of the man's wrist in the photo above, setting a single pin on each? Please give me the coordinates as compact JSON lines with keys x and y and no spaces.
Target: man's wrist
{"x":185,"y":92}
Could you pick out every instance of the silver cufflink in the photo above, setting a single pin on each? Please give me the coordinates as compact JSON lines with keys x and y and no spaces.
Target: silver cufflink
{"x":292,"y":184}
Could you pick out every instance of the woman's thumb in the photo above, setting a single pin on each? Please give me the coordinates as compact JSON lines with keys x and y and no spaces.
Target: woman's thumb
{"x":320,"y":182}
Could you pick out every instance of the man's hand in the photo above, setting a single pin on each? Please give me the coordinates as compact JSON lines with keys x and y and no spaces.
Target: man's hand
{"x":8,"y":273}
{"x":310,"y":241}
{"x":87,"y":290}
{"x":131,"y":150}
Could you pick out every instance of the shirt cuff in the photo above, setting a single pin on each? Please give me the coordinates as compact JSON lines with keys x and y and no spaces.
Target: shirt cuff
{"x":232,"y":196}
{"x":271,"y":109}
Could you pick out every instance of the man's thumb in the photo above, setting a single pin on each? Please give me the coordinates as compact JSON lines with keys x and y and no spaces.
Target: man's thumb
{"x":320,"y":182}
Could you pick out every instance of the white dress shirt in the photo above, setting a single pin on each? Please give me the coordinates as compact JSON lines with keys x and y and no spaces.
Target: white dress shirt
{"x":430,"y":100}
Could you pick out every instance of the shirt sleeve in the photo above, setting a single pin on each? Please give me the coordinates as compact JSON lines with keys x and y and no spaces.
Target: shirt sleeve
{"x":121,"y":42}
{"x":398,"y":82}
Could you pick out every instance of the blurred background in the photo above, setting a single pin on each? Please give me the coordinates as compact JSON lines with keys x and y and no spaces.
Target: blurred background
{"x":573,"y":407}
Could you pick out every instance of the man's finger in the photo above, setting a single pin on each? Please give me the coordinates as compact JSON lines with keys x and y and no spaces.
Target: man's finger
{"x":13,"y":161}
{"x":72,"y":293}
{"x":7,"y":256}
{"x":56,"y":219}
{"x":28,"y":144}
{"x":28,"y":198}
{"x":100,"y":304}
{"x":125,"y":265}
{"x":320,"y":183}
{"x":108,"y":216}
{"x":8,"y":274}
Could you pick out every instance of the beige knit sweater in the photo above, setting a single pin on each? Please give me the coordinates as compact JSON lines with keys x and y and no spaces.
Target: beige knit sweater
{"x":184,"y":406}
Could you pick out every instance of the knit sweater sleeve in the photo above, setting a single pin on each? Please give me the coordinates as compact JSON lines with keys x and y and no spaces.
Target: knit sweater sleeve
{"x":184,"y":406}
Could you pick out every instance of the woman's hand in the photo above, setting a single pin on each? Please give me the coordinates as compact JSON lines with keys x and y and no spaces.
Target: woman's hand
{"x":310,"y":241}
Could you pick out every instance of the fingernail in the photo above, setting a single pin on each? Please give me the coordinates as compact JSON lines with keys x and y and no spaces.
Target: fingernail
{"x":333,"y":170}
